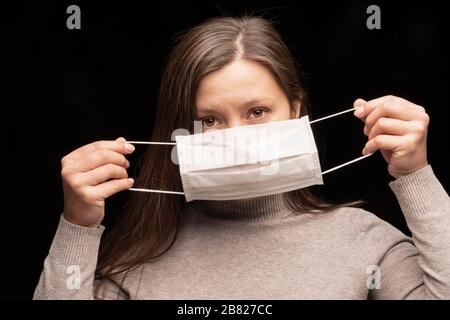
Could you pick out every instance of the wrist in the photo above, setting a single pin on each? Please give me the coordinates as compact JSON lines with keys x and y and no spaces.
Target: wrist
{"x":400,"y":174}
{"x":73,"y":220}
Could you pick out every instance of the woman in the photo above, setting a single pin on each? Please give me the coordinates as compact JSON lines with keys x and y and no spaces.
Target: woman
{"x":231,"y":72}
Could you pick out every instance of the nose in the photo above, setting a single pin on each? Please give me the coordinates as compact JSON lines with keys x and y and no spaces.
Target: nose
{"x":235,"y":122}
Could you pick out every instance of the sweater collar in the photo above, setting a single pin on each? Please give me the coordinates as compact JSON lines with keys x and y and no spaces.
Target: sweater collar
{"x":258,"y":209}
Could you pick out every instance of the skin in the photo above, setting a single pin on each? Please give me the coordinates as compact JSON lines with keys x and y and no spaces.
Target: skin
{"x":398,"y":128}
{"x":241,"y":93}
{"x":86,"y":174}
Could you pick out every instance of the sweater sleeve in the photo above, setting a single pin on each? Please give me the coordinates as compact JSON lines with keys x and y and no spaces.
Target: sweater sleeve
{"x":69,"y":268}
{"x":417,"y":268}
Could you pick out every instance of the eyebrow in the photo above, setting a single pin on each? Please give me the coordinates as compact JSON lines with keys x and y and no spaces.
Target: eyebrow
{"x":254,"y":102}
{"x":257,"y":101}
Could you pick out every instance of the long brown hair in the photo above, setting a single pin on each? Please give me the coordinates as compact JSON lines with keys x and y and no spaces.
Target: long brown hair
{"x":148,"y":226}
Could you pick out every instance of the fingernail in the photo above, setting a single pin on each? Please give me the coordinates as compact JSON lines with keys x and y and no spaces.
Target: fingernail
{"x":366,"y":132}
{"x":129,"y":147}
{"x":131,"y":180}
{"x":364,"y":151}
{"x":127,"y":164}
{"x":359,"y":111}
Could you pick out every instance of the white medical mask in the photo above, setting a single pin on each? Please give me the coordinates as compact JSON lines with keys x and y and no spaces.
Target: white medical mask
{"x":248,"y":161}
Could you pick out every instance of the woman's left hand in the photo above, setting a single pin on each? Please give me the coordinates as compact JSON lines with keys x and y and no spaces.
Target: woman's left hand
{"x":398,"y":128}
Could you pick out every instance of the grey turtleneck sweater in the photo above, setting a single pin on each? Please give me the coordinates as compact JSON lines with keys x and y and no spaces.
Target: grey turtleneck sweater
{"x":260,"y":249}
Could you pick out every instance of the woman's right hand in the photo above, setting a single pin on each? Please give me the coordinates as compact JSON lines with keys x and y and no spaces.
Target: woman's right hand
{"x":91,"y":174}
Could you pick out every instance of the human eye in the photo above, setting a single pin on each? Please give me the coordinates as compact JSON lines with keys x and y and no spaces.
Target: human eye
{"x":209,"y":122}
{"x":258,"y":113}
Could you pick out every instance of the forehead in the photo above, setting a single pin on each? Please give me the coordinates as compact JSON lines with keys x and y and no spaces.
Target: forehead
{"x":237,"y":82}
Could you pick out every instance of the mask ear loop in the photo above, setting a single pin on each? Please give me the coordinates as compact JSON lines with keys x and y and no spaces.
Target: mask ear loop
{"x":155,"y":191}
{"x":346,"y":163}
{"x":152,"y":190}
{"x":151,"y":142}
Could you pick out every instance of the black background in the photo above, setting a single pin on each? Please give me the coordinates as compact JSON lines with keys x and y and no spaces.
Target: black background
{"x":65,"y":88}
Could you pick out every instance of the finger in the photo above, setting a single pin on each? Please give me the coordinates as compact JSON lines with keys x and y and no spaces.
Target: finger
{"x":97,"y":159}
{"x":383,"y":142}
{"x":366,"y":107}
{"x":374,"y":103}
{"x":395,"y":110}
{"x":102,"y":174}
{"x":108,"y":188}
{"x":119,"y":145}
{"x":389,"y":126}
{"x":359,"y":105}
